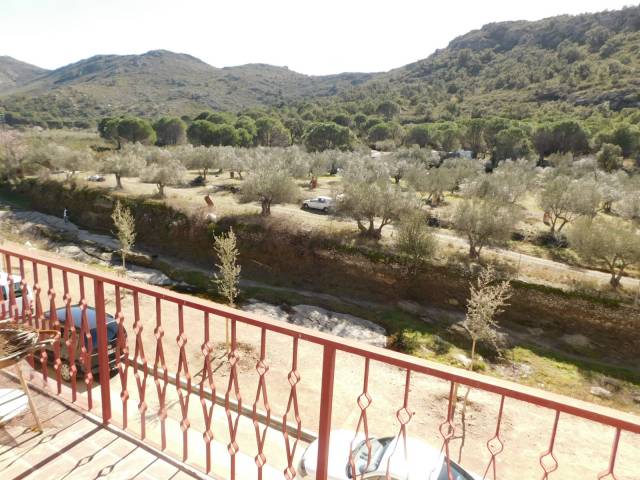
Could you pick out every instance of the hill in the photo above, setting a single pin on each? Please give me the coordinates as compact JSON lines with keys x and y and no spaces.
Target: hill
{"x":15,"y":73}
{"x":577,"y":66}
{"x":521,"y":70}
{"x":158,"y":83}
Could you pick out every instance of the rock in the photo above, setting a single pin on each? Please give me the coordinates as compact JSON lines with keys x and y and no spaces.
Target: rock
{"x":576,"y":340}
{"x":600,"y":392}
{"x":150,"y":276}
{"x":453,"y":301}
{"x":410,"y":307}
{"x":340,"y":324}
{"x":263,"y":309}
{"x":463,"y":359}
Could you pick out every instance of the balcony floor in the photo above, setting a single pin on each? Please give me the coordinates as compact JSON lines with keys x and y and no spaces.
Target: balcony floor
{"x":73,"y":446}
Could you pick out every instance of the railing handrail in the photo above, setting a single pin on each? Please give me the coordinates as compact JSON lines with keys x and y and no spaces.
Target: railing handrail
{"x":557,"y":402}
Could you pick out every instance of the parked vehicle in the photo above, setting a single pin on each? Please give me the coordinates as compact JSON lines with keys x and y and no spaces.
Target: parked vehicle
{"x":96,"y":178}
{"x":17,"y":291}
{"x":414,"y":460}
{"x":112,"y":341}
{"x":324,"y":204}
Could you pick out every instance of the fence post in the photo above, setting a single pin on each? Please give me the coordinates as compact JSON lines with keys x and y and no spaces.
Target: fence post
{"x":326,"y":403}
{"x":103,"y":355}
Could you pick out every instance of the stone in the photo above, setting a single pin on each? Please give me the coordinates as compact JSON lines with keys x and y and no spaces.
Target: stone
{"x":410,"y":307}
{"x":453,"y":301}
{"x":340,"y":324}
{"x":600,"y":392}
{"x":320,"y":319}
{"x":149,"y":275}
{"x":463,"y":359}
{"x":576,"y":340}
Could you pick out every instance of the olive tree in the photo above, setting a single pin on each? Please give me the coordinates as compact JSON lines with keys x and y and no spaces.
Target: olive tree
{"x":487,"y":298}
{"x":565,"y":199}
{"x":127,"y":162}
{"x":432,"y":183}
{"x":125,"y":229}
{"x":227,"y":277}
{"x":369,"y":196}
{"x":508,"y":183}
{"x":610,"y":157}
{"x":163,"y":169}
{"x":415,"y":240}
{"x":612,"y":244}
{"x":13,"y":155}
{"x":269,"y":182}
{"x":201,"y":158}
{"x":68,"y":160}
{"x":483,"y":223}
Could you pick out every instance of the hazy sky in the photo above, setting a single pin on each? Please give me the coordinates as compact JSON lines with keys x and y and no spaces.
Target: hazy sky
{"x":313,"y":37}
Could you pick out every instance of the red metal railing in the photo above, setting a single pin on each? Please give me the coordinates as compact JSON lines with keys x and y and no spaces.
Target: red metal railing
{"x":301,"y":382}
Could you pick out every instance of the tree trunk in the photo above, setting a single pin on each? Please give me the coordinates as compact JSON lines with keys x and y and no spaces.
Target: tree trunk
{"x":118,"y":181}
{"x":266,"y":208}
{"x":161,"y":190}
{"x":616,"y":278}
{"x":204,"y":173}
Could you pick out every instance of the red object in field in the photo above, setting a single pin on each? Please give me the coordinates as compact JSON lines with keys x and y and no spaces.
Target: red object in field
{"x":208,"y":200}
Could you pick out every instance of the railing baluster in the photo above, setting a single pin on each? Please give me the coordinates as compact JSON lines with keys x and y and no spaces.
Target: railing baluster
{"x":160,"y":363}
{"x":292,"y":404}
{"x":69,"y":335}
{"x":494,"y":444}
{"x":262,"y":368}
{"x":54,"y":324}
{"x":103,"y":355}
{"x":326,"y":407}
{"x":139,"y":358}
{"x":448,"y":428}
{"x":609,"y":472}
{"x":363,"y":402}
{"x":86,"y":346}
{"x":183,"y":397}
{"x":122,"y":351}
{"x":233,"y":387}
{"x":207,"y":379}
{"x":549,"y":468}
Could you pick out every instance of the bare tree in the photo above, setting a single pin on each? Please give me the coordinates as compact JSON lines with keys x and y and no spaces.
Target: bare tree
{"x":125,"y":230}
{"x":487,"y":299}
{"x":227,"y":278}
{"x":483,"y":223}
{"x":613,"y":244}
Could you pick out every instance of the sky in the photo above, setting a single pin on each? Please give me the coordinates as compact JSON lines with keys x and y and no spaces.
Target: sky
{"x":315,"y":37}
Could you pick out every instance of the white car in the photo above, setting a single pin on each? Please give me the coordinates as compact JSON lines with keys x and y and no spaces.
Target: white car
{"x":17,"y":291}
{"x":324,"y":204}
{"x":96,"y":178}
{"x":419,"y":461}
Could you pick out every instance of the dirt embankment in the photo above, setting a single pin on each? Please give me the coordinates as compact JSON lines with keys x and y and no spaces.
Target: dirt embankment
{"x":279,"y":254}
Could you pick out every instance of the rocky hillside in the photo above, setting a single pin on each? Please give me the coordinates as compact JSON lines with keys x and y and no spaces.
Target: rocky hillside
{"x":161,"y":82}
{"x":15,"y":73}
